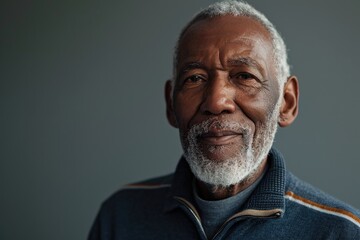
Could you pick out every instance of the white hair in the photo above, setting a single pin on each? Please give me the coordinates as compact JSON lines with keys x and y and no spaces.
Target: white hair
{"x":244,"y":163}
{"x":240,"y":8}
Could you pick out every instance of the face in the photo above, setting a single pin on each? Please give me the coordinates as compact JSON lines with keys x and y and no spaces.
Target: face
{"x":226,"y":98}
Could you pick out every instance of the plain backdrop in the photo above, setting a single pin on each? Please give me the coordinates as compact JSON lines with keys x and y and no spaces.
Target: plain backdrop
{"x":82,"y":109}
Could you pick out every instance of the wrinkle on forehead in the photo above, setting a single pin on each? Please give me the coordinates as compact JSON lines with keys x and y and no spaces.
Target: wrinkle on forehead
{"x":251,"y":48}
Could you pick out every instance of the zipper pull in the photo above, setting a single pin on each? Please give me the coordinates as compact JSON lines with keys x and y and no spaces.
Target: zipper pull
{"x":277,"y":214}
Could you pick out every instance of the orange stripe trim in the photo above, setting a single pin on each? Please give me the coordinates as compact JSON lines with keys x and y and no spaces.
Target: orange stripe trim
{"x":332,"y":209}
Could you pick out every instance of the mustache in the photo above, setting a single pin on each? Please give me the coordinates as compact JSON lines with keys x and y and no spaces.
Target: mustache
{"x":219,"y":125}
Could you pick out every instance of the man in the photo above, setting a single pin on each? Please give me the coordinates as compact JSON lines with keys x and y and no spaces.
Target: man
{"x":230,"y":90}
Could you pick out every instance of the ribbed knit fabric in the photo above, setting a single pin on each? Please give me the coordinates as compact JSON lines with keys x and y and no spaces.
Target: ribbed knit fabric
{"x":270,"y":194}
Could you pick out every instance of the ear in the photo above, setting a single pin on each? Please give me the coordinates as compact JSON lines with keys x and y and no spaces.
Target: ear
{"x":170,"y":114}
{"x":290,"y":102}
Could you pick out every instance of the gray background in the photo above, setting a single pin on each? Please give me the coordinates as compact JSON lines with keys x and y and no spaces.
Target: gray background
{"x":82,"y":110}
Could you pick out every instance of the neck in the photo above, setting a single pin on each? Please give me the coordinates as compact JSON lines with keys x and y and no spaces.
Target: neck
{"x":211,"y":192}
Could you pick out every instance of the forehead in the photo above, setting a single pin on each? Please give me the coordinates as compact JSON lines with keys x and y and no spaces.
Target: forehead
{"x":228,"y":23}
{"x":226,"y":35}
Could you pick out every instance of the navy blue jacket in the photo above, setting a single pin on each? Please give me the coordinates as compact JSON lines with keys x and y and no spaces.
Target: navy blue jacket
{"x":281,"y":207}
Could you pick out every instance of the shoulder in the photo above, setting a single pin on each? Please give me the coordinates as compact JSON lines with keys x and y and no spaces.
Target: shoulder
{"x":153,"y":183}
{"x":133,"y":205}
{"x":153,"y":188}
{"x":310,"y":202}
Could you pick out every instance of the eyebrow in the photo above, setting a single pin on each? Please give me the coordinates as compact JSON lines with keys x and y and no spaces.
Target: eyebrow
{"x":191,"y":65}
{"x":238,"y":61}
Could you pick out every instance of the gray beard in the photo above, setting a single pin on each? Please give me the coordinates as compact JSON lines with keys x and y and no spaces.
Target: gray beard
{"x":246,"y":160}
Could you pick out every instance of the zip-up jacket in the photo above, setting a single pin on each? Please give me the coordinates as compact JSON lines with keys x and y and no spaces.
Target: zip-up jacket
{"x":281,"y":207}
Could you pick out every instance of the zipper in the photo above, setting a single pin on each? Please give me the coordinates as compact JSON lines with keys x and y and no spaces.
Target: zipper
{"x":274,"y":213}
{"x":193,"y":211}
{"x":251,"y":213}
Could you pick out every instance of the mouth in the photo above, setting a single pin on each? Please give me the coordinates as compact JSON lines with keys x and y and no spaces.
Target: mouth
{"x":218,"y":138}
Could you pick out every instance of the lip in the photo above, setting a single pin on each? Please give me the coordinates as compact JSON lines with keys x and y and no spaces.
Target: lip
{"x":219,"y":138}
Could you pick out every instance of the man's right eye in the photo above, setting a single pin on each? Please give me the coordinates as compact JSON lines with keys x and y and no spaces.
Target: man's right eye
{"x":194,"y":79}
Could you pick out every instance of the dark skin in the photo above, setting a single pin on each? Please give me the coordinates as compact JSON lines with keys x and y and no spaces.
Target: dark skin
{"x":226,"y":72}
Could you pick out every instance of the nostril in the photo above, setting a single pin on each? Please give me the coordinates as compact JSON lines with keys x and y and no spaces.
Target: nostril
{"x":219,"y":113}
{"x":212,"y":106}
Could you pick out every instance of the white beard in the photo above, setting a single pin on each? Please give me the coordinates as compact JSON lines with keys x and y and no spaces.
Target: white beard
{"x":246,"y":160}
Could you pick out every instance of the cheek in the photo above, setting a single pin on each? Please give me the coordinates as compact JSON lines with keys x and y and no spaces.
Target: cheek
{"x":185,"y":107}
{"x":257,"y":108}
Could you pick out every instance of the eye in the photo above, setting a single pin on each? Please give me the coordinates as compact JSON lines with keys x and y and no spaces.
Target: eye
{"x":246,"y":79}
{"x":194,"y":79}
{"x":244,"y":76}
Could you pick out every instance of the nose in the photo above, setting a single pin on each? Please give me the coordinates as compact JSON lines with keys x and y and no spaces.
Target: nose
{"x":219,"y":97}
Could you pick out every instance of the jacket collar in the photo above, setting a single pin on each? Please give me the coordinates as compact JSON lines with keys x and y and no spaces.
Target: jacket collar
{"x":268,"y":196}
{"x":181,"y":185}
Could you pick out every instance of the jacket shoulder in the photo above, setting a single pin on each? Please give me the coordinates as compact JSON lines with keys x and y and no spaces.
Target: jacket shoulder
{"x":132,"y":205}
{"x":137,"y":198}
{"x":157,"y":182}
{"x":319,"y":205}
{"x":154,"y":186}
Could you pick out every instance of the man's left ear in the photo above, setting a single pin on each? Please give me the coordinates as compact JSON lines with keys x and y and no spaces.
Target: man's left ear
{"x":290,"y":102}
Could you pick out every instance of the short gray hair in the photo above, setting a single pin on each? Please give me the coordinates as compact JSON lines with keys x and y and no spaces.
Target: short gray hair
{"x":240,"y":8}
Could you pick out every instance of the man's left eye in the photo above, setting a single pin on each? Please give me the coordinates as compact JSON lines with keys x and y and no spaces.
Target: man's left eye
{"x":244,"y":76}
{"x":246,"y":79}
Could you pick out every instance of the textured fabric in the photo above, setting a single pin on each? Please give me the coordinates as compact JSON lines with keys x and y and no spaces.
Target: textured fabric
{"x":281,"y":207}
{"x":214,"y":213}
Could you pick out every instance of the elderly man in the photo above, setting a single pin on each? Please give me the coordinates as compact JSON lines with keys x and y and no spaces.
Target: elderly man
{"x":231,"y":89}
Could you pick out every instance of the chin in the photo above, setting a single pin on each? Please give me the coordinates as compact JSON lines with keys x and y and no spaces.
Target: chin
{"x":221,"y":171}
{"x":219,"y":153}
